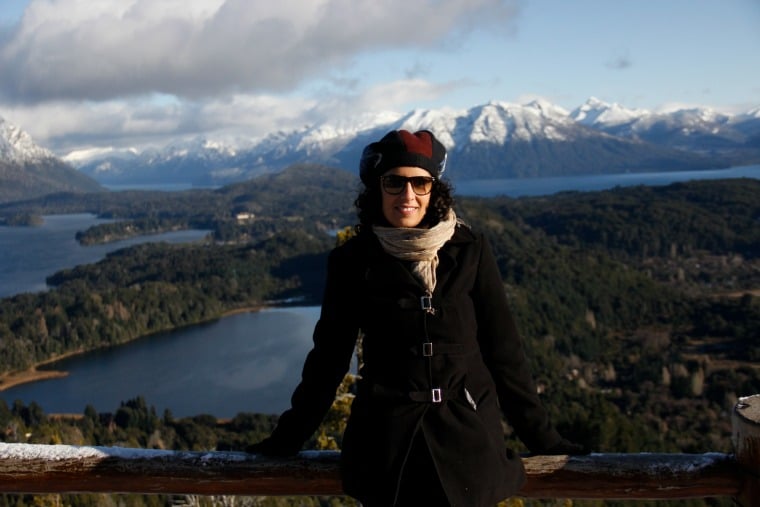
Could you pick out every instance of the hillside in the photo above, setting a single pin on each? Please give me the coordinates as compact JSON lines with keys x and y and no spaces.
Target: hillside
{"x":28,"y":170}
{"x":20,"y":181}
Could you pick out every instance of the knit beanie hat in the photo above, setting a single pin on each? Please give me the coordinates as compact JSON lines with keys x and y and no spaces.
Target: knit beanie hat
{"x":402,"y":148}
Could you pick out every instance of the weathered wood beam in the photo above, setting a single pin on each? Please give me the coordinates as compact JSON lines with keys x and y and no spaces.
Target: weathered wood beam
{"x":31,"y":468}
{"x":26,"y":468}
{"x":632,"y":476}
{"x":746,"y":440}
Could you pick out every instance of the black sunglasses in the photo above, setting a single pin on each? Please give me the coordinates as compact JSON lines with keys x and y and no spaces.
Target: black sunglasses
{"x":395,"y":184}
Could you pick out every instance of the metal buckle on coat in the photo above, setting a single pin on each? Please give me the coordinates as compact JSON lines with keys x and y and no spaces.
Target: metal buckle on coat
{"x":427,"y":349}
{"x":426,"y":303}
{"x":435,"y":395}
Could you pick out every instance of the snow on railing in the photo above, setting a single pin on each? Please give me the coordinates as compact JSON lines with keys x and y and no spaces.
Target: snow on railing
{"x":32,"y":468}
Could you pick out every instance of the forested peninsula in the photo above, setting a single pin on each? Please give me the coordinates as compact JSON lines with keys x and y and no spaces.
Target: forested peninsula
{"x":639,"y":305}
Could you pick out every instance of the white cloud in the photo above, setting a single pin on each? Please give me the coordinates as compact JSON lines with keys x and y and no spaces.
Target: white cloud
{"x":398,"y":93}
{"x":96,"y":74}
{"x":66,"y":126}
{"x":104,"y":49}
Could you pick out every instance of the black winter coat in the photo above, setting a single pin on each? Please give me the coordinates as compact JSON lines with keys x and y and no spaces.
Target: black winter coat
{"x":444,"y":368}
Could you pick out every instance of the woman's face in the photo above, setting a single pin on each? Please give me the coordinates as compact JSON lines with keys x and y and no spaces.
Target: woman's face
{"x":406,"y":209}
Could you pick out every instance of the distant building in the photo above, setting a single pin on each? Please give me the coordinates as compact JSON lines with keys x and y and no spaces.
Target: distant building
{"x":244,"y":216}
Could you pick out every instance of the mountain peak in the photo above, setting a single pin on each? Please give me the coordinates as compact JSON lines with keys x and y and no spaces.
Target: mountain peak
{"x":18,"y":147}
{"x":28,"y":170}
{"x":547,"y":108}
{"x":595,"y":113}
{"x":752,"y":114}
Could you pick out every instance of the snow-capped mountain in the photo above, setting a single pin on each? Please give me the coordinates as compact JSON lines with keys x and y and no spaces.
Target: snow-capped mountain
{"x":749,"y":124}
{"x":28,"y":170}
{"x":16,"y":146}
{"x":697,"y":130}
{"x":600,"y":115}
{"x":495,"y":140}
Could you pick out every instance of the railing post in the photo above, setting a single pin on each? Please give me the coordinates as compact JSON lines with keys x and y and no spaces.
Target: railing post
{"x":746,"y":440}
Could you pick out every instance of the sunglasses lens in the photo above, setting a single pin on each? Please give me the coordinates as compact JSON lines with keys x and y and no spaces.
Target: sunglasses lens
{"x":421,"y":185}
{"x":394,"y":184}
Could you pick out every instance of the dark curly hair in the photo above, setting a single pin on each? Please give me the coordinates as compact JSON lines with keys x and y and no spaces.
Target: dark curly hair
{"x":369,"y":205}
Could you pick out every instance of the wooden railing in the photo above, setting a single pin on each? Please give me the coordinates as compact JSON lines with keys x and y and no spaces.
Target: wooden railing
{"x":31,"y":468}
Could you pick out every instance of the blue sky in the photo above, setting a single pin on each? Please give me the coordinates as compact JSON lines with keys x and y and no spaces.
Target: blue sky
{"x":94,"y":74}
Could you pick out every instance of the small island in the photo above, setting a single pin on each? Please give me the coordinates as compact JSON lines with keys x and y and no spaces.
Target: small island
{"x":22,"y":220}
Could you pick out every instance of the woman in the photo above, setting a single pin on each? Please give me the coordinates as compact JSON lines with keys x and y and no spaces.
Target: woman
{"x":441,"y":351}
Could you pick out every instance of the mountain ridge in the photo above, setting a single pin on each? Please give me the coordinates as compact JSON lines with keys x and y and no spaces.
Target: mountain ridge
{"x":494,"y":140}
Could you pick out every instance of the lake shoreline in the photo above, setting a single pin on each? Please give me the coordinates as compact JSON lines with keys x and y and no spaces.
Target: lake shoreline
{"x":18,"y":378}
{"x":34,"y":374}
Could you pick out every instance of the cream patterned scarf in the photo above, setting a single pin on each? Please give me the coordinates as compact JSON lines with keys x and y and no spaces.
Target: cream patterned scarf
{"x":418,"y":245}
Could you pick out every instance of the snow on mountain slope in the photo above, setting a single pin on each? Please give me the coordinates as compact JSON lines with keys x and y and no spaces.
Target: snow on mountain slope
{"x":595,"y":113}
{"x":28,"y":170}
{"x":18,"y":147}
{"x":697,"y":130}
{"x":497,"y":139}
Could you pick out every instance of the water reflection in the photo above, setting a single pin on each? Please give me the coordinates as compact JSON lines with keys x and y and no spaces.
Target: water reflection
{"x":248,"y":362}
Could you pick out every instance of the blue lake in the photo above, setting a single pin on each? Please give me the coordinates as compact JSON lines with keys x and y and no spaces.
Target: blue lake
{"x":243,"y":363}
{"x":546,"y":186}
{"x":28,"y":255}
{"x":248,"y":362}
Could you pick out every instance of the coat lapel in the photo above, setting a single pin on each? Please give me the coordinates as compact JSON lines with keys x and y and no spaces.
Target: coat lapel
{"x":447,"y":258}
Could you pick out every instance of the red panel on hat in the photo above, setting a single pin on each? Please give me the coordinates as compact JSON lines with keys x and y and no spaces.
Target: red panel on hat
{"x":417,"y":143}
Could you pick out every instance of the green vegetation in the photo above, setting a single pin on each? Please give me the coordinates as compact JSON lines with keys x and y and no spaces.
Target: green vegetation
{"x":157,"y":287}
{"x":151,"y":288}
{"x":311,"y":194}
{"x":639,"y":306}
{"x":637,"y":348}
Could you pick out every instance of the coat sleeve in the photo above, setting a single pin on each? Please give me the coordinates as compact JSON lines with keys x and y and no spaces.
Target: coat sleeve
{"x":504,"y":355}
{"x":325,"y":366}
